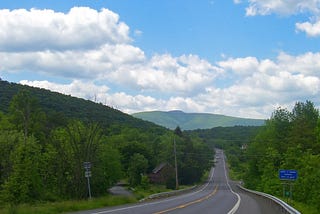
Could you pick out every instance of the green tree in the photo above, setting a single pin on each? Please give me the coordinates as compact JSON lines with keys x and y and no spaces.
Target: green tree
{"x":75,"y":144}
{"x":26,"y":114}
{"x":304,"y":123}
{"x":107,"y":169}
{"x":24,"y":183}
{"x":137,"y":167}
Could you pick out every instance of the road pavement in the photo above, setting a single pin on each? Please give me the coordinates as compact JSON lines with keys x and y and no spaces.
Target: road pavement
{"x":217,"y":195}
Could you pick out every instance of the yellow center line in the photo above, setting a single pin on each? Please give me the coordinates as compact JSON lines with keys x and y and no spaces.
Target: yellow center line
{"x":189,"y":203}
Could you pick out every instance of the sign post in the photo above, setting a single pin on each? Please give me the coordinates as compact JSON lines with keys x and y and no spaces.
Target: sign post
{"x":288,"y":177}
{"x":87,"y":167}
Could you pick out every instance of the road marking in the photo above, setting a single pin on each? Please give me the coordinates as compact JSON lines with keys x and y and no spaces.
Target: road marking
{"x":158,"y":202}
{"x":190,"y":203}
{"x":236,"y":206}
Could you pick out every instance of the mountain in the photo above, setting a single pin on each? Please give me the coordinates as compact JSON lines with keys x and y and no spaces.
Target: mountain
{"x":55,"y":104}
{"x":191,"y":121}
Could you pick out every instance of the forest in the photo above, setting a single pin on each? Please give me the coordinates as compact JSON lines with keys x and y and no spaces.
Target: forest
{"x":45,"y":137}
{"x":289,"y":140}
{"x":42,"y":148}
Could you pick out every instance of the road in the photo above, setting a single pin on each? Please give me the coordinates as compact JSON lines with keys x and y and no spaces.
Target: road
{"x":217,"y":195}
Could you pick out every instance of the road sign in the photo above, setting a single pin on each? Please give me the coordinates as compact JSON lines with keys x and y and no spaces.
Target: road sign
{"x":87,"y":165}
{"x":285,"y":174}
{"x":87,"y":174}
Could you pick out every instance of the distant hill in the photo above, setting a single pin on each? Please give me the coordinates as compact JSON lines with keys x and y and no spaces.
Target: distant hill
{"x":191,"y":121}
{"x":54,"y":103}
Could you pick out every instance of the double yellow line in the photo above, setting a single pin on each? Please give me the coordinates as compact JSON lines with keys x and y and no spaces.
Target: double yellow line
{"x":190,"y":203}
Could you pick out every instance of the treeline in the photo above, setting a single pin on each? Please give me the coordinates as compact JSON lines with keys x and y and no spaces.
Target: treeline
{"x":289,"y":140}
{"x":226,"y":137}
{"x":42,"y":154}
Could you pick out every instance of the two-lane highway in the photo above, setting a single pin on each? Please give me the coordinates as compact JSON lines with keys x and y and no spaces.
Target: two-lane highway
{"x":215,"y":196}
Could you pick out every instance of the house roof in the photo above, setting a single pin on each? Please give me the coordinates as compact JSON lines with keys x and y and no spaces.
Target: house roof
{"x":159,"y":167}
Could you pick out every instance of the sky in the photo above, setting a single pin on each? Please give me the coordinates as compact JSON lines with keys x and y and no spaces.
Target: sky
{"x":242,"y":58}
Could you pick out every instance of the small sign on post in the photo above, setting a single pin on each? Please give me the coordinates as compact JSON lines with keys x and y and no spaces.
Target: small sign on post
{"x":87,"y":167}
{"x":288,"y":176}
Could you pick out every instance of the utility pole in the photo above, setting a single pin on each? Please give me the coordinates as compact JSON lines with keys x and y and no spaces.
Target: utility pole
{"x":175,"y":161}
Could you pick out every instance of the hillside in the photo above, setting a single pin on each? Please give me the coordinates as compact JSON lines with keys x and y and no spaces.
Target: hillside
{"x":191,"y":121}
{"x":71,"y":107}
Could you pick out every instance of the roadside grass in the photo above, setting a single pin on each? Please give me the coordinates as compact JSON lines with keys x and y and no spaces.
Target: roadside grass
{"x":78,"y":205}
{"x":141,"y":193}
{"x":302,"y":208}
{"x":67,"y":206}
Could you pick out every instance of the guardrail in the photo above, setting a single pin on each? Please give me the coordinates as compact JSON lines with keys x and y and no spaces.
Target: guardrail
{"x":284,"y":206}
{"x":168,"y":194}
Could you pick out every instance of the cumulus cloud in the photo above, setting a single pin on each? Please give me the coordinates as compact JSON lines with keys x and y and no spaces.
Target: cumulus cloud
{"x":242,"y":66}
{"x":80,"y":28}
{"x":312,"y":29}
{"x":286,"y":7}
{"x":94,"y":63}
{"x":184,"y":74}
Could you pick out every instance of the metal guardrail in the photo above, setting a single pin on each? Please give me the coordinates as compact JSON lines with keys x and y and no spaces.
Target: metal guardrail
{"x":168,"y":194}
{"x":285,"y":207}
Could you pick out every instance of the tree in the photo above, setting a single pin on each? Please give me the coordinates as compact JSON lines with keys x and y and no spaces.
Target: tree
{"x":137,"y":167}
{"x":304,"y":123}
{"x":24,"y":183}
{"x":75,"y":144}
{"x":25,"y":113}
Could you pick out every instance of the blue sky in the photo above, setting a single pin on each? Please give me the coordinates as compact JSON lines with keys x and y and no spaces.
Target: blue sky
{"x":234,"y":57}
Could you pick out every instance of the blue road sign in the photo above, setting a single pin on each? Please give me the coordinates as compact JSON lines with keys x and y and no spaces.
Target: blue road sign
{"x":285,"y":174}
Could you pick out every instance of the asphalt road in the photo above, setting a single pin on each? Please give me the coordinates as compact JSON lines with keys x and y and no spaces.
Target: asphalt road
{"x":218,"y":195}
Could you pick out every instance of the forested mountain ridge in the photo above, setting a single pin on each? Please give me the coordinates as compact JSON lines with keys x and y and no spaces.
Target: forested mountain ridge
{"x":71,"y":107}
{"x":45,"y":138}
{"x":191,"y":121}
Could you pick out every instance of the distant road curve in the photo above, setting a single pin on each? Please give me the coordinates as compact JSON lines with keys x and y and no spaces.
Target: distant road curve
{"x":217,"y":195}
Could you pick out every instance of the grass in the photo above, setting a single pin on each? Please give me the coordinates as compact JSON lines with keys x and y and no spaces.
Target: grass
{"x":152,"y":189}
{"x":73,"y":206}
{"x":301,"y":207}
{"x":67,"y":206}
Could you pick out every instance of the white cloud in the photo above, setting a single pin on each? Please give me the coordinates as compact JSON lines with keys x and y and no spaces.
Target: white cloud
{"x":242,"y":66}
{"x":284,"y":7}
{"x":94,"y":64}
{"x":289,"y":7}
{"x":184,"y":74}
{"x":80,"y":28}
{"x":310,"y":28}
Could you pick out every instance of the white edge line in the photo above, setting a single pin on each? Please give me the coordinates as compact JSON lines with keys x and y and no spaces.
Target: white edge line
{"x":158,"y":202}
{"x":236,"y":206}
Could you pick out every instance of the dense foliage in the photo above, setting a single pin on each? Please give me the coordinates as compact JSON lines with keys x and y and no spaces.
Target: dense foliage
{"x":43,"y":148}
{"x":289,"y":140}
{"x":227,"y":138}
